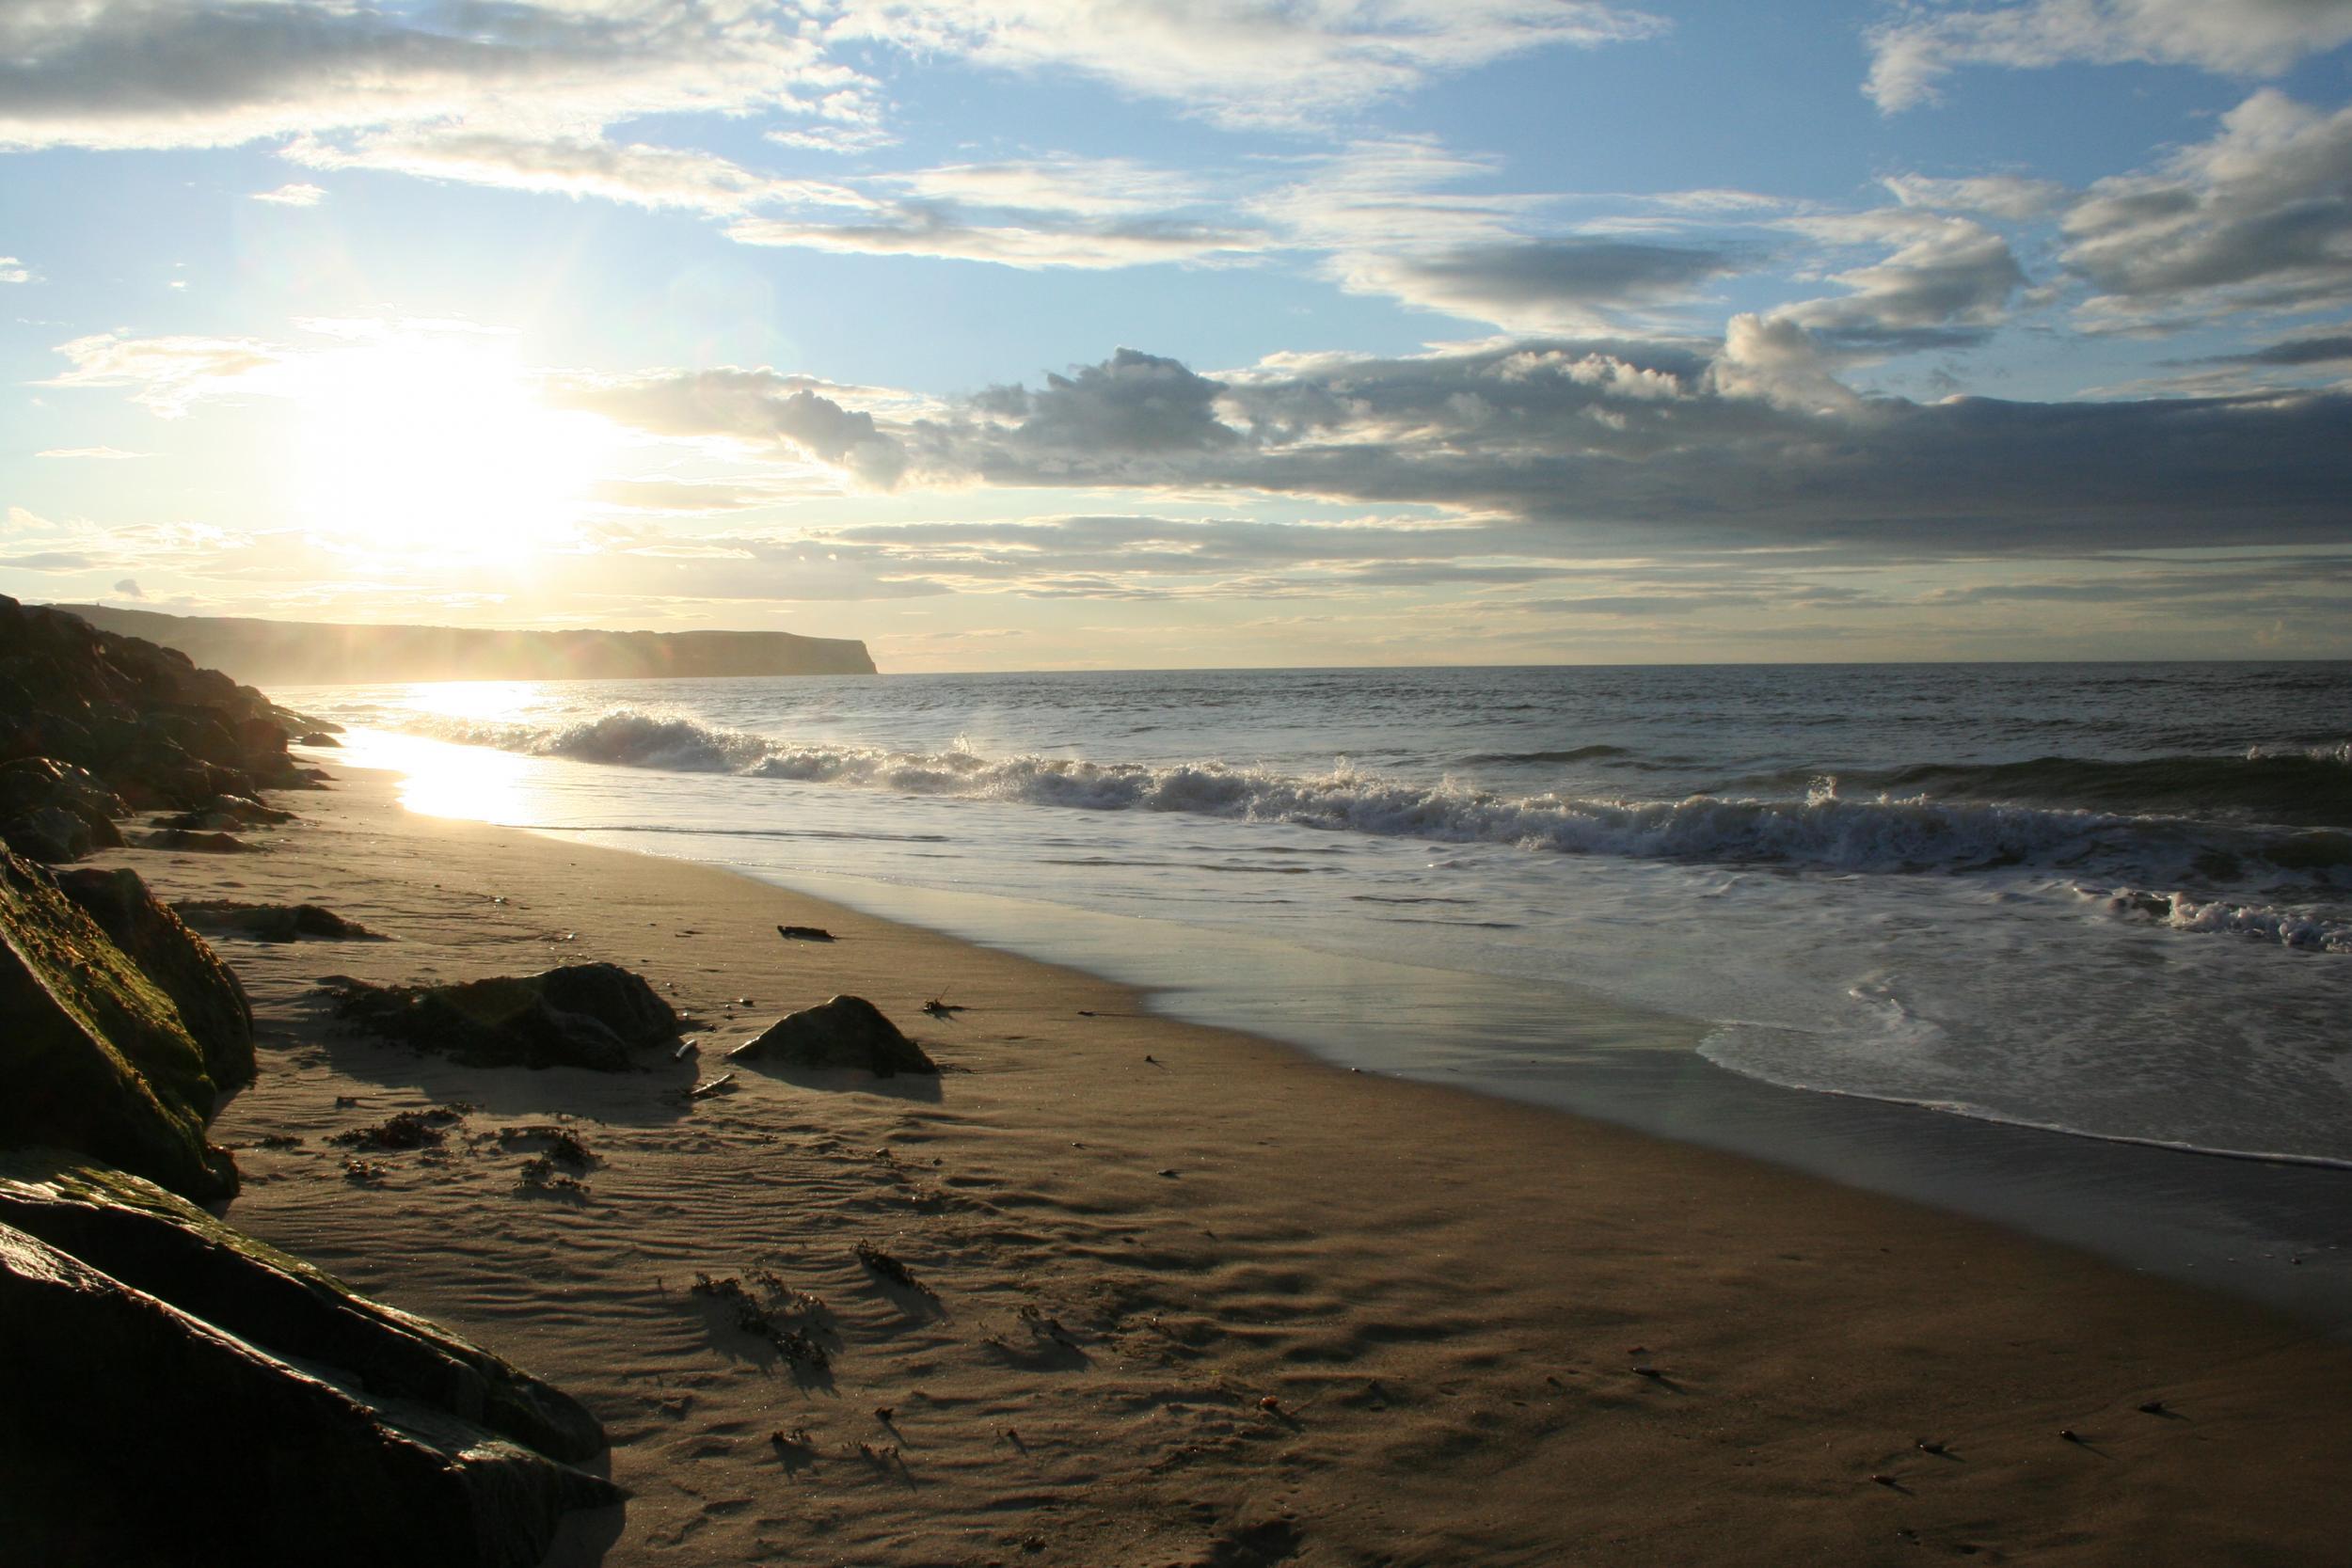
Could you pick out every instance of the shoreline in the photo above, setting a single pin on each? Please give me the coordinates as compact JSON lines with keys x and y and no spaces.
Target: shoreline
{"x":1138,"y":1229}
{"x":2273,"y":1230}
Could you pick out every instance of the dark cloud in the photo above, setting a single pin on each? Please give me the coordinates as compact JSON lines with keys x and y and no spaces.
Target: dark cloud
{"x":2293,"y":351}
{"x":1634,"y":448}
{"x":746,"y":406}
{"x":2259,"y":216}
{"x":1517,"y":280}
{"x":1132,"y":405}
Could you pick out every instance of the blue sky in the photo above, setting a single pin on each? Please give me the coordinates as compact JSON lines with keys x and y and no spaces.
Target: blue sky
{"x":1038,"y":333}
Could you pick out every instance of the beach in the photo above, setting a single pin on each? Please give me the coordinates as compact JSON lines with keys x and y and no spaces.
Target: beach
{"x":1180,"y":1295}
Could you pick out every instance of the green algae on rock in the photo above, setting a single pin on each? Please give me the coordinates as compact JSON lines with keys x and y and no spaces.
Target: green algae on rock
{"x":96,"y":1057}
{"x":211,"y":1000}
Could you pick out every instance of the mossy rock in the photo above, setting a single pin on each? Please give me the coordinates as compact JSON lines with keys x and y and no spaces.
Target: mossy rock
{"x":94,"y":1056}
{"x":181,"y":964}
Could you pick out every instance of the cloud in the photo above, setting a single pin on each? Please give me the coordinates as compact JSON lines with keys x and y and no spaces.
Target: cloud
{"x":1244,"y":62}
{"x":1098,"y":187}
{"x":109,"y":454}
{"x":634,"y":173}
{"x":919,"y":228}
{"x":2002,"y":195}
{"x":1928,"y":39}
{"x":1545,"y":284}
{"x":2256,"y":218}
{"x":129,"y":589}
{"x":1756,"y":446}
{"x":292,"y":195}
{"x":49,"y":561}
{"x":2327,"y":350}
{"x":1945,"y":283}
{"x":677,"y":497}
{"x":166,"y":375}
{"x":151,"y":74}
{"x":754,"y":408}
{"x":14,"y":271}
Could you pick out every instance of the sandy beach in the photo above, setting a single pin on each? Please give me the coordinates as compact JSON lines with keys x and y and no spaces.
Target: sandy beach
{"x":1187,"y":1297}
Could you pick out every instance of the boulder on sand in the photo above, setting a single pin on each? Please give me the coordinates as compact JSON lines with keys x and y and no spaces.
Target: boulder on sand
{"x":580,"y":1015}
{"x":211,"y":1003}
{"x":274,"y":922}
{"x":846,"y":1032}
{"x":140,"y":1433}
{"x":93,"y":1056}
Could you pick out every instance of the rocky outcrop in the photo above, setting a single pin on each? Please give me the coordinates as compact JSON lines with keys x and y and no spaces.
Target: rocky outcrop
{"x":152,"y":728}
{"x":94,"y":1056}
{"x":594,"y":1016}
{"x":211,"y":1003}
{"x":846,"y":1032}
{"x":177,"y":1393}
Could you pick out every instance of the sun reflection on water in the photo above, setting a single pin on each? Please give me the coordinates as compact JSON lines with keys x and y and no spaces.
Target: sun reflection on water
{"x":438,"y":779}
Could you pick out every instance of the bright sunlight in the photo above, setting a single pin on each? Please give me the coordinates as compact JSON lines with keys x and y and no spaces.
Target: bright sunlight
{"x":438,"y":444}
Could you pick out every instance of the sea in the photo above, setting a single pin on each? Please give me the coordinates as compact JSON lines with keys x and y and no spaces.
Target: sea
{"x":2102,"y":904}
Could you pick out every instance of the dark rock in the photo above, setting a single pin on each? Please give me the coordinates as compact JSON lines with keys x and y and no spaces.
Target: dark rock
{"x":182,"y":838}
{"x":155,"y":729}
{"x":211,"y":1003}
{"x":846,"y":1032}
{"x":139,"y":1432}
{"x":144,"y":1237}
{"x":274,"y":922}
{"x":93,"y":1056}
{"x":48,"y":834}
{"x":31,"y":782}
{"x":317,"y":737}
{"x":201,"y":821}
{"x":244,"y":809}
{"x":580,"y":1015}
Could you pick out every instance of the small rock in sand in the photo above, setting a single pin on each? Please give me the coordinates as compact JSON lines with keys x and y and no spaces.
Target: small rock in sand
{"x":846,"y":1032}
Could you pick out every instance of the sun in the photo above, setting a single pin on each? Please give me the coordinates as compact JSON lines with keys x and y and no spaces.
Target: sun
{"x":439,"y":446}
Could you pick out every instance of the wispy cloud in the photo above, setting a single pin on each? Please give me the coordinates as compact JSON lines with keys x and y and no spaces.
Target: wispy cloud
{"x":297,"y":195}
{"x":1925,"y":40}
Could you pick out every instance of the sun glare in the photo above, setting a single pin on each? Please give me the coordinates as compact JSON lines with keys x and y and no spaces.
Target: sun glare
{"x":440,"y":447}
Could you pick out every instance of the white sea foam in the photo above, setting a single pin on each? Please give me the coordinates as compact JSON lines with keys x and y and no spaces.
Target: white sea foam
{"x":2307,"y":929}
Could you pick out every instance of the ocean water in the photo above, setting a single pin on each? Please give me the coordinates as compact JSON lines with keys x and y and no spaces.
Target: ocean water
{"x":2112,"y":902}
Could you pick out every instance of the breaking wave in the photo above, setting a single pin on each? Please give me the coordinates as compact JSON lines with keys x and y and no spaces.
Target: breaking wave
{"x":1878,"y":831}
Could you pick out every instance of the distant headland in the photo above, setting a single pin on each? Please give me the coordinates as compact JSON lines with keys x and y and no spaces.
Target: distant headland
{"x":305,"y":653}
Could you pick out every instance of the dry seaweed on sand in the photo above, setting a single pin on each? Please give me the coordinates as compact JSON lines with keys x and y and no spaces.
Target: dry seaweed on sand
{"x":405,"y":1129}
{"x":775,"y":1312}
{"x":539,"y":1173}
{"x":891,"y":1268}
{"x":564,"y":1144}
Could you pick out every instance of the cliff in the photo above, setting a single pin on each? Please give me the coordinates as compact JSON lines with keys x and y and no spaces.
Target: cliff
{"x":318,"y":653}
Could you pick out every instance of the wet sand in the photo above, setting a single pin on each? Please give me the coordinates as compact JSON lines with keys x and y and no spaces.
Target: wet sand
{"x":1189,"y":1297}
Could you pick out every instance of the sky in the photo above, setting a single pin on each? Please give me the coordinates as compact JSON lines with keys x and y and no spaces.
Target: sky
{"x":1036,"y":333}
